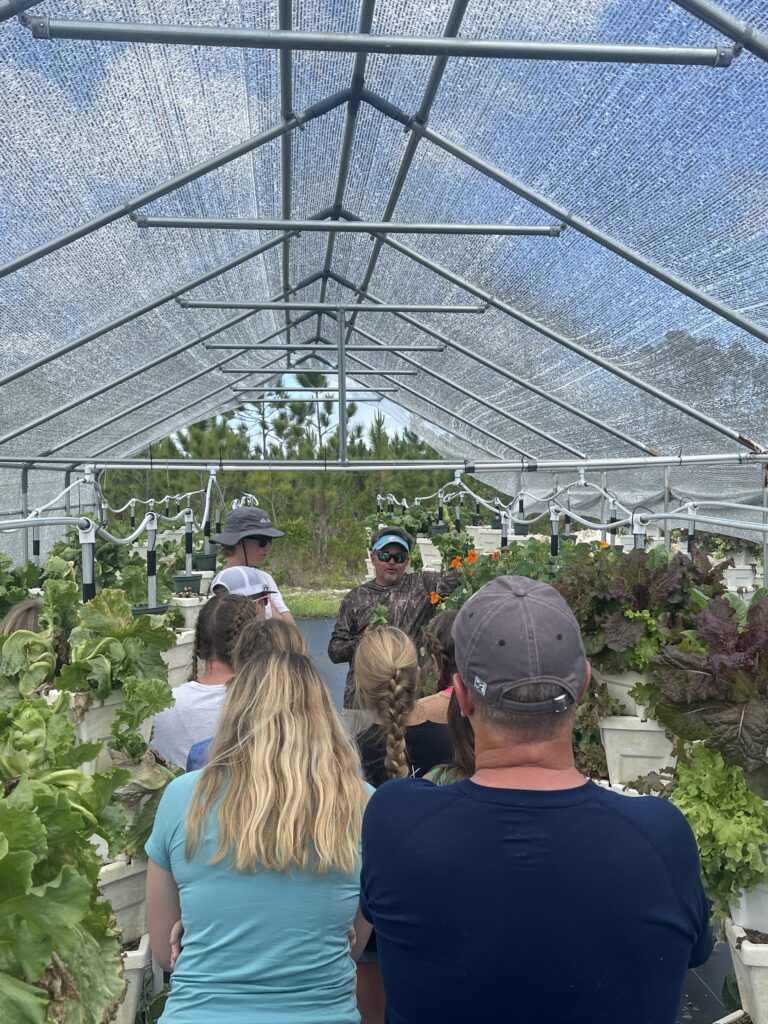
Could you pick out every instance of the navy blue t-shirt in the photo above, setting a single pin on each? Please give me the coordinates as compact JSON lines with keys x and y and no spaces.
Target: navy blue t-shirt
{"x":578,"y":906}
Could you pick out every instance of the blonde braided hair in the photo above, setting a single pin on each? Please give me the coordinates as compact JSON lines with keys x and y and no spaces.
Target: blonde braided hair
{"x":387,"y":680}
{"x":219,"y":625}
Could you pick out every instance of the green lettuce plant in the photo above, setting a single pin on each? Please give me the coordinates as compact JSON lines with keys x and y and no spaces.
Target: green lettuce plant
{"x":15,"y":582}
{"x":729,"y":821}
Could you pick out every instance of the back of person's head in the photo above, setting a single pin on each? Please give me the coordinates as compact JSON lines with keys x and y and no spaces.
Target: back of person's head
{"x":519,"y":651}
{"x":387,"y":682}
{"x":22,"y":615}
{"x":219,"y":624}
{"x":283,"y":776}
{"x":437,"y":640}
{"x":265,"y":637}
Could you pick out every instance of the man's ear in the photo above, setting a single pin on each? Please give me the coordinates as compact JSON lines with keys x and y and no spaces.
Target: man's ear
{"x":464,"y":696}
{"x":587,"y":680}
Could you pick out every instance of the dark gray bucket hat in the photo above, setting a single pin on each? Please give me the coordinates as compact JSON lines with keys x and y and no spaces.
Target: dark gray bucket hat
{"x":243,"y":522}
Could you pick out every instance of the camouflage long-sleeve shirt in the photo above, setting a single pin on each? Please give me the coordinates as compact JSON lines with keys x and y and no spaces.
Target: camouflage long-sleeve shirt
{"x":409,"y":609}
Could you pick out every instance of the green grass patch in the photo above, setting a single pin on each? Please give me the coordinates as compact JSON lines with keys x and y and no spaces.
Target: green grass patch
{"x":313,"y":604}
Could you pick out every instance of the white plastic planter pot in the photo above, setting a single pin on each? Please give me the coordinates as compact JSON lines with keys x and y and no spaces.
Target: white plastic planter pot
{"x":136,"y":963}
{"x":93,"y":721}
{"x":179,"y":658}
{"x":750,"y":963}
{"x":752,"y":910}
{"x":487,"y":540}
{"x":430,"y":556}
{"x":190,"y":607}
{"x":634,"y":748}
{"x":619,"y":686}
{"x":205,"y":582}
{"x":123,"y":884}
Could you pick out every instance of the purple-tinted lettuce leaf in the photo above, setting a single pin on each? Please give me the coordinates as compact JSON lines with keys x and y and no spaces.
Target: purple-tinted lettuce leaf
{"x":622,"y":633}
{"x":686,"y":678}
{"x":717,"y":626}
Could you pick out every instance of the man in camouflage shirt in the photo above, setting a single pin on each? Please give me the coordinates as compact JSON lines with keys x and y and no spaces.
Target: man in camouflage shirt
{"x":406,"y":596}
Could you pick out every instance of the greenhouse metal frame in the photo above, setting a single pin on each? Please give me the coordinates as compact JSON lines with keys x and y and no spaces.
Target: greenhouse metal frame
{"x":337,"y":252}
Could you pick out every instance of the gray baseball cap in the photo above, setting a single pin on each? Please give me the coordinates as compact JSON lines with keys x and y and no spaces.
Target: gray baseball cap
{"x":516,"y":631}
{"x":246,"y":521}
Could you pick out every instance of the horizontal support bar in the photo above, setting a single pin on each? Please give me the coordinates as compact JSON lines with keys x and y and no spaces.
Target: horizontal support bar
{"x":327,"y":371}
{"x":327,"y":348}
{"x":268,"y":391}
{"x":8,"y":8}
{"x":334,"y":226}
{"x":322,"y":307}
{"x":734,"y":459}
{"x":358,"y":42}
{"x":311,"y":401}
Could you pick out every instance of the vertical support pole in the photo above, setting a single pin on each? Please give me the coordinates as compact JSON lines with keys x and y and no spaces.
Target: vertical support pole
{"x":379,"y":504}
{"x":439,"y":508}
{"x":612,"y":519}
{"x":103,"y":512}
{"x":152,"y":561}
{"x":504,"y":529}
{"x":457,"y":517}
{"x":188,"y":522}
{"x":25,"y":512}
{"x":691,"y":537}
{"x":177,"y":502}
{"x":341,"y":366}
{"x":167,"y":506}
{"x":133,"y":515}
{"x":218,"y":519}
{"x":603,"y":485}
{"x":523,"y":529}
{"x":67,"y":495}
{"x":390,"y":505}
{"x":87,"y":544}
{"x":667,"y":527}
{"x":207,"y":536}
{"x":554,"y":541}
{"x":638,"y":533}
{"x":36,"y":546}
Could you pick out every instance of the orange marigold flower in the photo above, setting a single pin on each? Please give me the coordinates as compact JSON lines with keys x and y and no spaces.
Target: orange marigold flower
{"x":604,"y":544}
{"x":456,"y":562}
{"x":496,"y":554}
{"x":434,"y":597}
{"x":471,"y":556}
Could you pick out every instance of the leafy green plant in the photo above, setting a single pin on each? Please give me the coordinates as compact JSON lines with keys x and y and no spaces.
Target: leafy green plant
{"x":59,"y":952}
{"x":587,"y":746}
{"x":15,"y":582}
{"x":729,"y":821}
{"x":379,"y":616}
{"x":713,"y":684}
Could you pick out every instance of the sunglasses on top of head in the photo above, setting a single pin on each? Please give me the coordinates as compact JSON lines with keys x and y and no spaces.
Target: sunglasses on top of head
{"x":397,"y":557}
{"x":263,"y":542}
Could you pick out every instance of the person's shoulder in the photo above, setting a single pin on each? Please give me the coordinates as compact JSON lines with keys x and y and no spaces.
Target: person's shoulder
{"x":267,"y":579}
{"x":656,"y":817}
{"x":178,"y":794}
{"x":401,"y":793}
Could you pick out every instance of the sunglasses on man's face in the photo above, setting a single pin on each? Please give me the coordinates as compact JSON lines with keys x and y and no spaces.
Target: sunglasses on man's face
{"x":388,"y":556}
{"x":263,"y":542}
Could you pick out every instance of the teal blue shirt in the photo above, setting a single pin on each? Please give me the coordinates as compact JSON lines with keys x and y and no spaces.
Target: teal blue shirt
{"x":262,"y":948}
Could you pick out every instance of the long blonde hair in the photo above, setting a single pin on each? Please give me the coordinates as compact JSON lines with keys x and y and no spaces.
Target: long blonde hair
{"x":283,"y":773}
{"x":387,"y":682}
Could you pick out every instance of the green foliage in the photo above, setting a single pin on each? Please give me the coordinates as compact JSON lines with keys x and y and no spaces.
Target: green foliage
{"x":729,"y":822}
{"x":587,"y":745}
{"x":379,"y":616}
{"x":14,"y":582}
{"x":713,"y":684}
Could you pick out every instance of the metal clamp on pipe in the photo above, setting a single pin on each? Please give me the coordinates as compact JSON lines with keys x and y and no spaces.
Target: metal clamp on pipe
{"x":638,"y":531}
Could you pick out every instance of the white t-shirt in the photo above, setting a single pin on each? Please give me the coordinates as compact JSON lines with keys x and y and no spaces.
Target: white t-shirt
{"x":194,"y":717}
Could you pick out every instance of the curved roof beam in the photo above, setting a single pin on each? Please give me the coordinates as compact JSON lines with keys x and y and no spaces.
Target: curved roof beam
{"x":134,"y":314}
{"x":470,"y":394}
{"x":458,"y":347}
{"x":739,"y":31}
{"x":578,"y":223}
{"x":130,"y":374}
{"x":198,"y":171}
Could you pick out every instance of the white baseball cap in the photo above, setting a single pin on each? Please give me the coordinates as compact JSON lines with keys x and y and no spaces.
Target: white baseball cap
{"x":241,"y":579}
